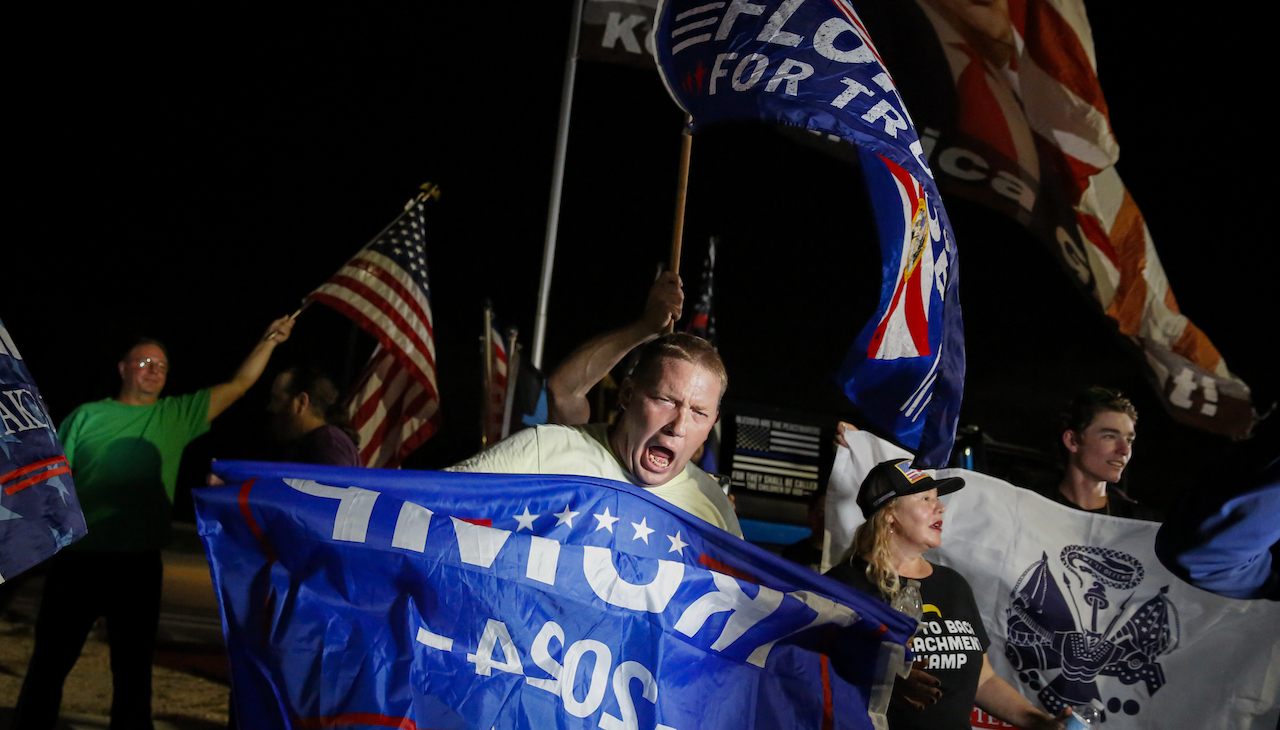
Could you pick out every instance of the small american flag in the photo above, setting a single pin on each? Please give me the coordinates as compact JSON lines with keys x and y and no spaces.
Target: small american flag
{"x":775,"y":456}
{"x":703,"y":323}
{"x":496,"y":389}
{"x":394,"y":406}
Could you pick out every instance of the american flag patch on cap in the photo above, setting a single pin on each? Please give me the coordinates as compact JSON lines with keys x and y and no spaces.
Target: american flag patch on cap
{"x":912,"y":475}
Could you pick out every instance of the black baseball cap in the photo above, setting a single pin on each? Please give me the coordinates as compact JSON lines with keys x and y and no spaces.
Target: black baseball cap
{"x":896,"y":478}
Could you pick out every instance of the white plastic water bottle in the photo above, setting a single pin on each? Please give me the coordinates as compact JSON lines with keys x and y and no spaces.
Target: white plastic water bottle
{"x":1085,"y":717}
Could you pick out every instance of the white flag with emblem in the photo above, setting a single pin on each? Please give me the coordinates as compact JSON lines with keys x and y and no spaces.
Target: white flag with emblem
{"x":1078,"y":607}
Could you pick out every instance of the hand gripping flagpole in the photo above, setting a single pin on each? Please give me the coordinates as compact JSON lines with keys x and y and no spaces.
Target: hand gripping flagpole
{"x":682,"y":187}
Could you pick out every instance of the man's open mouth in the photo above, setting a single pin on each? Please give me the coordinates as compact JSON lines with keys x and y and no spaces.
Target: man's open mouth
{"x":659,"y":457}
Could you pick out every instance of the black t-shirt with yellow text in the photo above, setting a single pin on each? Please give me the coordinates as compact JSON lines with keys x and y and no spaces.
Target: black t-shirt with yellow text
{"x":951,"y":641}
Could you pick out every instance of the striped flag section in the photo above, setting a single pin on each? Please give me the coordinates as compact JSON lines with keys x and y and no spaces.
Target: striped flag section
{"x":19,"y":479}
{"x":496,"y":388}
{"x":394,"y":405}
{"x":775,"y":456}
{"x":1071,"y":115}
{"x":1030,"y":102}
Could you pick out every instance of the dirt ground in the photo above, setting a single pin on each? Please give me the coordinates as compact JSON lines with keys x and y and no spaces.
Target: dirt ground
{"x":189,"y":686}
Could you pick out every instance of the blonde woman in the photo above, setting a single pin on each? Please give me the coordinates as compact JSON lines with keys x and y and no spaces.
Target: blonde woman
{"x":904,"y":519}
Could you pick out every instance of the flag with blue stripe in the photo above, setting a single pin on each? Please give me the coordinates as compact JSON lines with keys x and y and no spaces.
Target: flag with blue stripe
{"x":378,"y":598}
{"x":810,"y":64}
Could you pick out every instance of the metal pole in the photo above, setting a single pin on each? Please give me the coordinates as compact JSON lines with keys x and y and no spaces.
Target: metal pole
{"x":557,"y":185}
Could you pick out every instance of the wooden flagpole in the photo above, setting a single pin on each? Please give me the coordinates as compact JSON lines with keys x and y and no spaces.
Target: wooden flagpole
{"x":682,"y":187}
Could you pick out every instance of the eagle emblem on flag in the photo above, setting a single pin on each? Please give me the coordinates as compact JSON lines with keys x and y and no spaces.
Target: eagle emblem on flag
{"x":1079,"y":634}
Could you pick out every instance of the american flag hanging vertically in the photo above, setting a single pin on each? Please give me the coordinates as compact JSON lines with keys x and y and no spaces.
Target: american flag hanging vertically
{"x":703,"y":323}
{"x":496,"y":388}
{"x":394,"y":406}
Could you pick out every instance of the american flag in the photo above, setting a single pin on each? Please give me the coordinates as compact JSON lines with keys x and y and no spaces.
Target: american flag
{"x":394,"y":406}
{"x":703,"y":323}
{"x":495,"y":389}
{"x":775,"y":456}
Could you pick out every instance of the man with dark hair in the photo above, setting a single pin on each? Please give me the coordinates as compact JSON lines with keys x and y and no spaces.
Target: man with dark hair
{"x":125,"y":453}
{"x":1097,"y":439}
{"x":669,"y":405}
{"x":306,"y":419}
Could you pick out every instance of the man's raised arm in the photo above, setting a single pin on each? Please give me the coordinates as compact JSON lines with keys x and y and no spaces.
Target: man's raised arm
{"x":223,"y":395}
{"x":588,"y":364}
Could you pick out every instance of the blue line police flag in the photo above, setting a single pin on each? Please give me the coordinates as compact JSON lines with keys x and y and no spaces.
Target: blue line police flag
{"x":810,"y":64}
{"x":379,"y":598}
{"x":39,"y":511}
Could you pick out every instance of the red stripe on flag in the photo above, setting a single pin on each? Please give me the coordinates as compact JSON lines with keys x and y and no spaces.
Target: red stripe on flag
{"x":1092,"y":229}
{"x":386,"y":277}
{"x":981,"y":116}
{"x":391,"y":303}
{"x":916,"y":316}
{"x":389,"y":311}
{"x":355,"y":718}
{"x":362,"y":319}
{"x":32,"y":467}
{"x":267,"y":551}
{"x":1053,"y":44}
{"x":369,"y":407}
{"x":383,"y":303}
{"x":861,"y":31}
{"x":416,"y":439}
{"x":392,"y":420}
{"x":244,"y":509}
{"x":828,"y":712}
{"x":427,"y":381}
{"x":720,"y":567}
{"x":383,"y":338}
{"x":15,"y":488}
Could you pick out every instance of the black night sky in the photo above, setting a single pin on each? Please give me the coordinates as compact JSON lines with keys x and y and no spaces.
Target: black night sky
{"x":190,"y":175}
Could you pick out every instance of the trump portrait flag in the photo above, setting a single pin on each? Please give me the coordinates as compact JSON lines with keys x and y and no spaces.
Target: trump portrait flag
{"x":811,"y":65}
{"x":380,"y":598}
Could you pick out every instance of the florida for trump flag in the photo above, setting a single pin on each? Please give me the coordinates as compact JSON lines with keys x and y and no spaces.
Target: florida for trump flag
{"x":810,"y":64}
{"x":380,"y":598}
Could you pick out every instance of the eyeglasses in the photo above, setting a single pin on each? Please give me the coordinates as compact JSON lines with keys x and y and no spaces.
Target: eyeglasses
{"x":160,"y":366}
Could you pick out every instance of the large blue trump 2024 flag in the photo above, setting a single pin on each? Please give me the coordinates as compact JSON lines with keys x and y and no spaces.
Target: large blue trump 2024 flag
{"x":39,"y":512}
{"x":810,"y":64}
{"x":375,"y":598}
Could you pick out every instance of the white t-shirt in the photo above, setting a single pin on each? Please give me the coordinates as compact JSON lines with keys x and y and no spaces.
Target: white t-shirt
{"x":584,"y":451}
